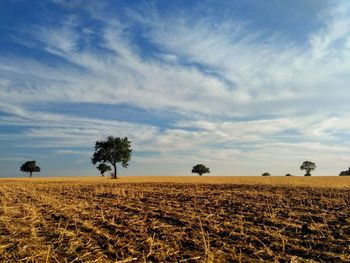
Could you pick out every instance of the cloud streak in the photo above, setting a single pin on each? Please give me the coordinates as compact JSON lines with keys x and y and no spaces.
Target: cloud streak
{"x":237,"y":93}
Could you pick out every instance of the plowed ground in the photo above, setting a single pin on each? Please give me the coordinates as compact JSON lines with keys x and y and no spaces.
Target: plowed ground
{"x":172,"y":222}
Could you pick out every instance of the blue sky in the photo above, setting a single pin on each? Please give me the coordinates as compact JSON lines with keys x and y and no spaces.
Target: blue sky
{"x":243,"y":86}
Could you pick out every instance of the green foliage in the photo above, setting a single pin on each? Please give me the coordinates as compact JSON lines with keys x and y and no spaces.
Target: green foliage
{"x":113,"y":150}
{"x":308,"y":167}
{"x":102,"y":167}
{"x":266,"y":174}
{"x":345,"y":173}
{"x":30,"y":167}
{"x":200,"y":169}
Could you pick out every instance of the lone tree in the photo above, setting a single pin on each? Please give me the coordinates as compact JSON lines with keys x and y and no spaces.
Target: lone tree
{"x":345,"y":173}
{"x":266,"y":174}
{"x":30,"y":167}
{"x":288,"y":175}
{"x":308,"y":167}
{"x":102,"y":167}
{"x":113,"y":150}
{"x":200,"y":169}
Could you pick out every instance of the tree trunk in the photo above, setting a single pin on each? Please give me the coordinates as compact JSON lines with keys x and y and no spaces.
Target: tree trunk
{"x":115,"y":171}
{"x":30,"y":174}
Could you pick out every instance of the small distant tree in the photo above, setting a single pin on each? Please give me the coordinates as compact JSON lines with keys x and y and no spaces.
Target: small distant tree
{"x":288,"y":175}
{"x":266,"y":174}
{"x":30,"y":167}
{"x":200,"y":169}
{"x":102,"y":167}
{"x":345,"y":173}
{"x":308,"y":167}
{"x":113,"y":150}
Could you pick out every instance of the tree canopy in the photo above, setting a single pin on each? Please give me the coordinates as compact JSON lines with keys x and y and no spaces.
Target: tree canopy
{"x":266,"y":174}
{"x":345,"y":173}
{"x":102,"y":167}
{"x":113,"y":150}
{"x":308,"y":167}
{"x":200,"y":169}
{"x":30,"y":167}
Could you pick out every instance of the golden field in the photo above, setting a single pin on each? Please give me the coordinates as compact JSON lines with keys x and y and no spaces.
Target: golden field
{"x":314,"y":181}
{"x":175,"y":219}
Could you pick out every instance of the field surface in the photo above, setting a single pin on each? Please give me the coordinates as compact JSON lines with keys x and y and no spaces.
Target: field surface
{"x":175,"y":219}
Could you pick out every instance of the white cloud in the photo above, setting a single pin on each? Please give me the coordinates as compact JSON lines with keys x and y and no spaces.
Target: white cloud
{"x":207,"y":72}
{"x":62,"y":39}
{"x":264,"y":72}
{"x":337,"y":32}
{"x":241,"y":75}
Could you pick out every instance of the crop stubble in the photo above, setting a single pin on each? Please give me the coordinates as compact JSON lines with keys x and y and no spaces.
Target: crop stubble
{"x":99,"y":221}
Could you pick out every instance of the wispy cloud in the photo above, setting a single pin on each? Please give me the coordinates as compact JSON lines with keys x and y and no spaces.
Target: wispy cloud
{"x":237,"y":92}
{"x":263,"y":69}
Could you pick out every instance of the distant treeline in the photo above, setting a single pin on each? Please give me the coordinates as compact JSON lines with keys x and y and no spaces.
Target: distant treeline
{"x":115,"y":150}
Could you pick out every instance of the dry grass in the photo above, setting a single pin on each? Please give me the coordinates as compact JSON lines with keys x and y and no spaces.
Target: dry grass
{"x":313,"y":181}
{"x":175,"y":219}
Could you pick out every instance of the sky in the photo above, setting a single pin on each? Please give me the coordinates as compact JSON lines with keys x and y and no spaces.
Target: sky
{"x":243,"y":86}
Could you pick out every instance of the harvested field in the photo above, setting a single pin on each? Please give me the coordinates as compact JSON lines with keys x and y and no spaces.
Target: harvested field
{"x":175,"y":219}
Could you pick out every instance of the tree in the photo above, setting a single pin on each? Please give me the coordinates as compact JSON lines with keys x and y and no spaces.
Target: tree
{"x":288,"y":175}
{"x":345,"y":173}
{"x":308,"y":167}
{"x":266,"y":174}
{"x":30,"y":167}
{"x":102,"y":167}
{"x":113,"y":150}
{"x":200,"y":169}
